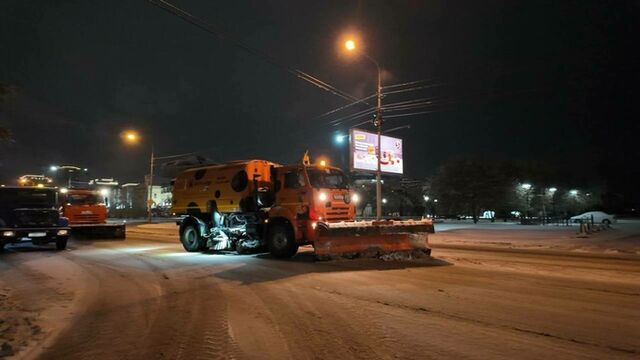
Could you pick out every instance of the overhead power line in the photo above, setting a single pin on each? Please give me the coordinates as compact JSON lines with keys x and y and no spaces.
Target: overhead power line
{"x":346,"y":106}
{"x":222,"y":35}
{"x":407,"y":83}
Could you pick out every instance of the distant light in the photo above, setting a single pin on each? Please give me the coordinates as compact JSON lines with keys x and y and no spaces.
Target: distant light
{"x":435,"y":200}
{"x":526,"y":186}
{"x":104,"y":192}
{"x":40,"y":185}
{"x":553,"y":189}
{"x":384,"y":200}
{"x":573,"y":192}
{"x":85,"y":169}
{"x":350,"y":45}
{"x":53,"y":168}
{"x":355,"y":198}
{"x":322,"y":196}
{"x":64,"y":191}
{"x":323,"y":163}
{"x":426,"y":198}
{"x":340,"y":138}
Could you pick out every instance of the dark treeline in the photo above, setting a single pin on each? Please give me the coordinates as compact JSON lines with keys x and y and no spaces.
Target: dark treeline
{"x":500,"y":189}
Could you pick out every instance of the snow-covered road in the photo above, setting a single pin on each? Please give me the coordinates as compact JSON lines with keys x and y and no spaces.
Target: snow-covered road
{"x":145,"y":298}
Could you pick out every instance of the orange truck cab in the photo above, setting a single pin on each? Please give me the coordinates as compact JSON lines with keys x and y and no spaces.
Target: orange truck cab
{"x":83,"y":206}
{"x":87,"y":213}
{"x":311,"y":194}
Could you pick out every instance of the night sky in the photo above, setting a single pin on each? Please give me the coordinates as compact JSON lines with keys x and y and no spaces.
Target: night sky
{"x":551,"y":81}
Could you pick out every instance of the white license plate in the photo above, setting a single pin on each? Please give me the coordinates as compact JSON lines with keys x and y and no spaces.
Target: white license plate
{"x":37,"y":234}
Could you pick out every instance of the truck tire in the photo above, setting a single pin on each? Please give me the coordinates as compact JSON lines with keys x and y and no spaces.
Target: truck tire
{"x":61,"y":243}
{"x":282,"y":243}
{"x":191,"y":239}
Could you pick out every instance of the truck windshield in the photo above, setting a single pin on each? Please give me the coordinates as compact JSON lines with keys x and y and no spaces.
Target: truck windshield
{"x":28,"y":198}
{"x":327,"y":178}
{"x":84,"y":199}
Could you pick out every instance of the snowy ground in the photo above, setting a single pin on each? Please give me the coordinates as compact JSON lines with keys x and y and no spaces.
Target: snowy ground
{"x":490,"y":291}
{"x":621,"y":239}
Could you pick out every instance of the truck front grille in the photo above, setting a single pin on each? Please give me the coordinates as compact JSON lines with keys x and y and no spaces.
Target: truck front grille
{"x":36,"y":217}
{"x":338,"y":213}
{"x":86,"y":218}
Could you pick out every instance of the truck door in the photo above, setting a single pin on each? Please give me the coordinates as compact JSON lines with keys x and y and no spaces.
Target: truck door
{"x":292,"y":194}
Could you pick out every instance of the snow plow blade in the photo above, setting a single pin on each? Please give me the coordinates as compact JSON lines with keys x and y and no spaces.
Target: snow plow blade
{"x":98,"y":231}
{"x":388,"y":240}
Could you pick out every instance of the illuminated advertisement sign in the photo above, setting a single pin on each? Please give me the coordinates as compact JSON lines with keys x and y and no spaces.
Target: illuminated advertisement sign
{"x":363,"y":152}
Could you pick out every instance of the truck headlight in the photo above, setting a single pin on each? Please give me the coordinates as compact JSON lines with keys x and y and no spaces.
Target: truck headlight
{"x":8,"y":234}
{"x":322,"y":196}
{"x":355,"y":198}
{"x":63,"y":232}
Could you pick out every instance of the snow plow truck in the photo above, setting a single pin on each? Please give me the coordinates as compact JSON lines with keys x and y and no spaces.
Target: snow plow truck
{"x":258,"y":204}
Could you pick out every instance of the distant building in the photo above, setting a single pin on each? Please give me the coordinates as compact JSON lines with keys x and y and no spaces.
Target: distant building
{"x":103,"y":182}
{"x":35,"y":180}
{"x":70,"y":176}
{"x":130,"y":200}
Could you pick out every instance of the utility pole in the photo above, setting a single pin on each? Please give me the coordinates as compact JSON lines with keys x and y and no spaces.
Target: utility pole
{"x":150,"y":191}
{"x":378,"y":124}
{"x":350,"y":45}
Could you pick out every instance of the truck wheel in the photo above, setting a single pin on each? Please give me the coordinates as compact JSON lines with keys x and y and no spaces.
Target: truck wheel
{"x":61,"y":243}
{"x":191,"y":239}
{"x":281,"y":242}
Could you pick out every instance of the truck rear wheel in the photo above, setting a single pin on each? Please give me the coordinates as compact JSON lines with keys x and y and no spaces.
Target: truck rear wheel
{"x":282,"y":243}
{"x":61,"y":243}
{"x":191,"y":239}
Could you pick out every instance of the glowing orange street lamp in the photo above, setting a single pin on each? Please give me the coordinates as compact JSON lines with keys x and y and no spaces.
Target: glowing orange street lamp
{"x":351,"y":46}
{"x":132,"y":137}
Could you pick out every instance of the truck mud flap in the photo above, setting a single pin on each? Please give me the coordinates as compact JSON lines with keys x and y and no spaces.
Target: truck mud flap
{"x":107,"y":231}
{"x":386,"y":240}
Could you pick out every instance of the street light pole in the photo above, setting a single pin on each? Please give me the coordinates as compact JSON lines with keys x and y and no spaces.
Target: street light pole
{"x":150,"y":192}
{"x":350,"y":45}
{"x":378,"y":123}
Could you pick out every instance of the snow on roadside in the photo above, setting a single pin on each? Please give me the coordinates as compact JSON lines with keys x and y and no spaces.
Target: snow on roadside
{"x":620,"y":240}
{"x":38,"y":298}
{"x":17,"y":324}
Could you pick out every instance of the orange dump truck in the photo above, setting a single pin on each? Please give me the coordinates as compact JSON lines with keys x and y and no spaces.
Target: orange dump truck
{"x":258,"y":204}
{"x":87,"y":214}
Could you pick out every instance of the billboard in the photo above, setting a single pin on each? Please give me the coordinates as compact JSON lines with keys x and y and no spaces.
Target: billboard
{"x":363,"y":147}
